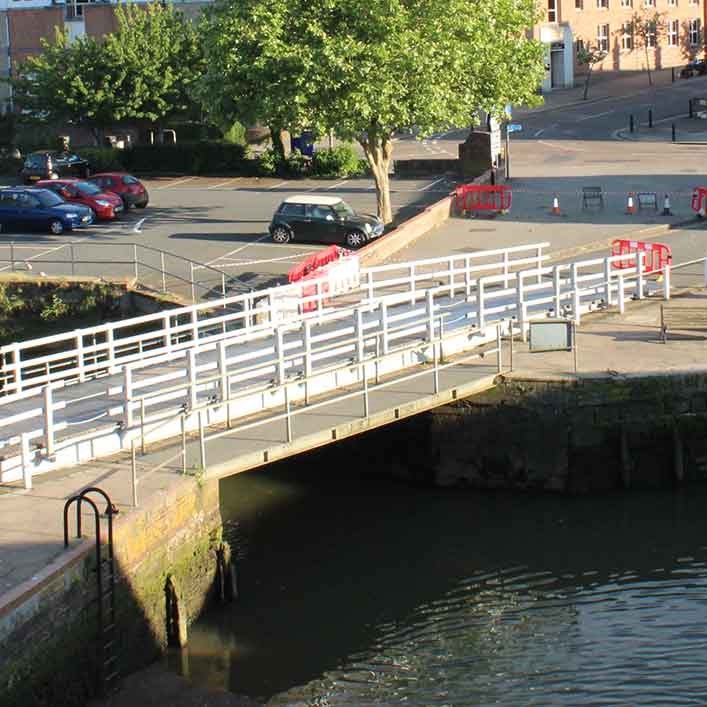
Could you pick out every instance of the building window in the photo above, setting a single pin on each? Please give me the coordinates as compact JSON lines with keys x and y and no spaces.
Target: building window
{"x":648,"y":3}
{"x":603,"y":38}
{"x":551,"y":11}
{"x":672,"y":3}
{"x":673,"y":31}
{"x":693,"y":2}
{"x":694,"y":32}
{"x":579,"y":46}
{"x":579,"y":4}
{"x":626,"y":3}
{"x":627,"y":36}
{"x":603,"y":4}
{"x":651,"y":33}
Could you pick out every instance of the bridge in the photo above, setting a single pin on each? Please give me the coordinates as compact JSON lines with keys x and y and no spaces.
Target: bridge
{"x":302,"y":364}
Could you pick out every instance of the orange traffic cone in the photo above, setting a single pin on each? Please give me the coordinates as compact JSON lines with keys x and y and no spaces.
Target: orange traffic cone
{"x":555,"y":205}
{"x":630,"y":206}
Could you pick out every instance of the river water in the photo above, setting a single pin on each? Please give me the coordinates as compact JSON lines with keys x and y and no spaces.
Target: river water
{"x":360,"y":590}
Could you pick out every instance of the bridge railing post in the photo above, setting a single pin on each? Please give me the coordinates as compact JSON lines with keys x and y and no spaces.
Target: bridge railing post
{"x":223,"y":370}
{"x":202,"y":441}
{"x":520,"y":304}
{"x":48,"y":417}
{"x":480,"y":303}
{"x":640,"y":281}
{"x":576,"y":301}
{"x":451,"y":277}
{"x":505,"y":269}
{"x":279,"y":352}
{"x":539,"y":257}
{"x":358,"y":329}
{"x":558,"y":289}
{"x":127,"y":396}
{"x":607,"y":282}
{"x":384,"y":327}
{"x":666,"y":281}
{"x":26,"y":458}
{"x":435,"y":356}
{"x":365,"y":390}
{"x":499,"y":354}
{"x":467,"y":276}
{"x":133,"y":472}
{"x":622,"y":294}
{"x":288,"y":417}
{"x":430,"y":307}
{"x":183,"y":426}
{"x":191,"y":374}
{"x":412,"y":283}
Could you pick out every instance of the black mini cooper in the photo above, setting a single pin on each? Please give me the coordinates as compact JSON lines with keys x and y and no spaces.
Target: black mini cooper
{"x":49,"y":164}
{"x":323,"y":219}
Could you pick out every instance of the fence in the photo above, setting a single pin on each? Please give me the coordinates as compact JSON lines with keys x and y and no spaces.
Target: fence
{"x":100,"y":350}
{"x":150,"y":267}
{"x":236,"y":377}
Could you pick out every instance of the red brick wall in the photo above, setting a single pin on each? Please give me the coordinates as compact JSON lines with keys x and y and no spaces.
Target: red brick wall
{"x":29,"y":27}
{"x":100,"y":20}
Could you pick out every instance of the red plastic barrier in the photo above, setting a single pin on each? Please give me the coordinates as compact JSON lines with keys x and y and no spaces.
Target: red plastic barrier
{"x":482,"y":197}
{"x":699,"y":197}
{"x":657,"y":254}
{"x":315,"y":261}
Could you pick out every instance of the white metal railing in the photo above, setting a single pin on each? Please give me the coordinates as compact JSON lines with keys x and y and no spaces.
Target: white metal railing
{"x":92,"y":351}
{"x":152,"y":267}
{"x":320,"y":351}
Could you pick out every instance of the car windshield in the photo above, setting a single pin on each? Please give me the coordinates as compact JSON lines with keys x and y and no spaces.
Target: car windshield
{"x":342,"y":209}
{"x":130,"y":180}
{"x":35,"y":161}
{"x":87,"y":188}
{"x":49,"y":198}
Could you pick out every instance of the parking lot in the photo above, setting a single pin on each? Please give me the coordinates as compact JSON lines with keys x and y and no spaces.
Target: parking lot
{"x":218,"y":222}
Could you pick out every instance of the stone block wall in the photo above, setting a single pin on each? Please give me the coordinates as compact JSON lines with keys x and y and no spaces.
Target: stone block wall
{"x":48,"y":649}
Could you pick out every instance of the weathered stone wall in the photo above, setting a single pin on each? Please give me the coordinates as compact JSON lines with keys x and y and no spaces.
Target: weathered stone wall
{"x":549,"y":436}
{"x":48,"y":649}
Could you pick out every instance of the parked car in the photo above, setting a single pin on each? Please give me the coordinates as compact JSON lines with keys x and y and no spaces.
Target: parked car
{"x":48,"y":164}
{"x":130,"y":189}
{"x":105,"y":205}
{"x":698,"y":67}
{"x":29,"y":207}
{"x":324,"y":219}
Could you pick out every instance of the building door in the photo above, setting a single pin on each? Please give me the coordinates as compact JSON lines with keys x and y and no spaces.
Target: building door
{"x":557,"y":66}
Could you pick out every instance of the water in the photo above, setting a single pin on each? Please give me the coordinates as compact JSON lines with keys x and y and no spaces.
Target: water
{"x":358,"y":590}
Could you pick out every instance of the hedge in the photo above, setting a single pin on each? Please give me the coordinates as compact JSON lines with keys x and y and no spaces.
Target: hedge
{"x":188,"y":158}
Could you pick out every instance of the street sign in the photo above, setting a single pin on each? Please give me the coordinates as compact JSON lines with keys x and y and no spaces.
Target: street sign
{"x":514,"y":127}
{"x":551,"y":335}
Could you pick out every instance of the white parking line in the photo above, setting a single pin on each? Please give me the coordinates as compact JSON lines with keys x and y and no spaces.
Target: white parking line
{"x":429,"y":186}
{"x":239,"y":249}
{"x":292,"y":258}
{"x":18,"y":244}
{"x":174,"y":184}
{"x":275,"y":186}
{"x":223,"y":184}
{"x":337,"y":185}
{"x":596,"y":115}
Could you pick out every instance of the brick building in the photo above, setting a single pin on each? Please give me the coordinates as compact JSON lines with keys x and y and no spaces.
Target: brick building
{"x":607,"y":25}
{"x":24,"y":23}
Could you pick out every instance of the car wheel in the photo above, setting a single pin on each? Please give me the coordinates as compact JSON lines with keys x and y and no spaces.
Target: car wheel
{"x":140,"y":206}
{"x":355,"y":239}
{"x":56,"y":226}
{"x":94,"y":215}
{"x":281,"y":235}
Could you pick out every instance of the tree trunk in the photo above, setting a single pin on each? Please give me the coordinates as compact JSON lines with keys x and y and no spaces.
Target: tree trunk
{"x":648,"y":66}
{"x":378,"y":149}
{"x":586,"y":82}
{"x":277,"y":144}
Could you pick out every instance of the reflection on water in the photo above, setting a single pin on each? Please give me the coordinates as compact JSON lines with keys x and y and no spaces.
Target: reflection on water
{"x":363,"y":591}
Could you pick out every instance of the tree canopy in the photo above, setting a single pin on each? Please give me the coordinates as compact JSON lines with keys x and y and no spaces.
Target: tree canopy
{"x":143,"y":71}
{"x":367,"y":68}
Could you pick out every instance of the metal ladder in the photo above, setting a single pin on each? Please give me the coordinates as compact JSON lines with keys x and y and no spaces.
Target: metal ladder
{"x":105,"y":578}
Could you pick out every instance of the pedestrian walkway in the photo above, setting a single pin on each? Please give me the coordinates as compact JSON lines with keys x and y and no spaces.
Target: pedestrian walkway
{"x":687,"y":131}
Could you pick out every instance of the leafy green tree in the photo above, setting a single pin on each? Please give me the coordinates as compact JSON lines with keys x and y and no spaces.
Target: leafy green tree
{"x":144,"y":71}
{"x":368,"y":68}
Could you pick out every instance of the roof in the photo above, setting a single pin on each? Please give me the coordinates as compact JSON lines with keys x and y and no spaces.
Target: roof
{"x":313,"y":199}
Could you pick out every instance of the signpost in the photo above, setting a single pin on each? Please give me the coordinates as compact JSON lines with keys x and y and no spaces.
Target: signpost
{"x":510,"y":128}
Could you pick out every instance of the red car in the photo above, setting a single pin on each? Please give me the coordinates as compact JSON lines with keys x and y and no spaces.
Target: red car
{"x":106,"y":206}
{"x":127,"y":187}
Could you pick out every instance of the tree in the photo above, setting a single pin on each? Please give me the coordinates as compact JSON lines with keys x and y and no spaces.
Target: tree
{"x":648,"y":29}
{"x":144,"y":72}
{"x":367,"y":68}
{"x":586,"y":56}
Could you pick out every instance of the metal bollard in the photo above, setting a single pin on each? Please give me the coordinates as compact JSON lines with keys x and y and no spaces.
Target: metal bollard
{"x":689,"y":103}
{"x":673,"y":132}
{"x":650,"y":117}
{"x":672,"y":74}
{"x":630,"y":124}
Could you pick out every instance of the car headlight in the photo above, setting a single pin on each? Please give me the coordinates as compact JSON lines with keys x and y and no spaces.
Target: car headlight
{"x":102,"y":202}
{"x":367,"y":226}
{"x":72,"y":215}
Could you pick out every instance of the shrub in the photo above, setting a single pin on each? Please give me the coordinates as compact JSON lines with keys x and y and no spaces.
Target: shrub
{"x":236,"y":134}
{"x":103,"y":159}
{"x":268,"y":163}
{"x":296,"y":165}
{"x":187,"y":158}
{"x":340,"y":161}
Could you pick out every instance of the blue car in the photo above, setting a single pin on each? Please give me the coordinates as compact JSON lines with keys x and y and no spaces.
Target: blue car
{"x":27,"y":208}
